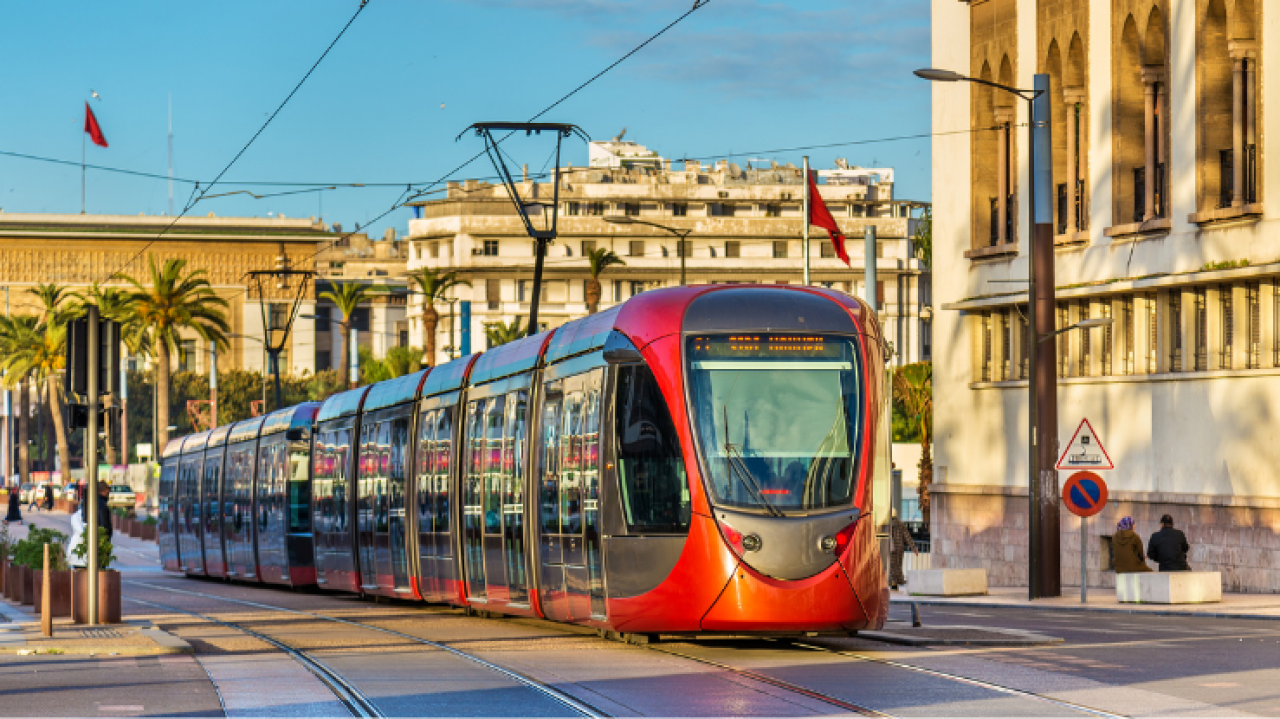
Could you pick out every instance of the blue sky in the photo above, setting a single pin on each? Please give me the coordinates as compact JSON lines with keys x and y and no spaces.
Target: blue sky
{"x":740,"y":76}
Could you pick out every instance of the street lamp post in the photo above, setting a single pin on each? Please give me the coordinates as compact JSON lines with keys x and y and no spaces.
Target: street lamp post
{"x":681,"y":246}
{"x":1044,"y":538}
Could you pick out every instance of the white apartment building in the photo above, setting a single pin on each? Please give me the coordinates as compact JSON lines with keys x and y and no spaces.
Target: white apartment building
{"x":1163,"y":223}
{"x":743,"y":225}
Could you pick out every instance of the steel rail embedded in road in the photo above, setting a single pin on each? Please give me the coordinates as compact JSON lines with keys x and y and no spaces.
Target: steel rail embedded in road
{"x":965,"y":680}
{"x":356,"y":702}
{"x":763,"y":678}
{"x":550,"y":692}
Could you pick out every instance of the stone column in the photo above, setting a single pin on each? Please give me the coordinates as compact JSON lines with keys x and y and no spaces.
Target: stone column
{"x":1267,"y":316}
{"x":1188,"y":309}
{"x":1237,"y":131}
{"x":1165,"y":330}
{"x":1073,"y":97}
{"x":1121,"y":352}
{"x":1151,"y":77}
{"x":1242,"y":342}
{"x":1003,"y":117}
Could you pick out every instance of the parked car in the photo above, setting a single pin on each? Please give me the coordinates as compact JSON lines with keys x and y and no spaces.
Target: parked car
{"x":122,"y":495}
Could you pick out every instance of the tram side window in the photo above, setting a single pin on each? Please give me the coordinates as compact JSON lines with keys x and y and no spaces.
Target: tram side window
{"x":299,"y":490}
{"x":444,"y":458}
{"x":572,"y":463}
{"x":549,"y":459}
{"x":655,"y":490}
{"x":494,"y":471}
{"x":426,"y":470}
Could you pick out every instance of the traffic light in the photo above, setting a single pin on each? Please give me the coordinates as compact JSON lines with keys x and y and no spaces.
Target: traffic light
{"x":78,"y":416}
{"x":108,"y":356}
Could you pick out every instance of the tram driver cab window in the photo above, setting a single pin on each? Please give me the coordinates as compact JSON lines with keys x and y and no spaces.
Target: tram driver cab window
{"x":651,"y":471}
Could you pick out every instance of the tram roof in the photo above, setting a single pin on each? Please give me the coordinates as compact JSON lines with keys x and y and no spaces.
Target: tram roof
{"x":342,"y":404}
{"x":448,"y":376}
{"x":173,"y":448}
{"x":511,"y":358}
{"x":395,"y":391}
{"x":295,"y":417}
{"x":196,"y":442}
{"x":581,"y":336}
{"x":218,"y":436}
{"x":245,"y":429}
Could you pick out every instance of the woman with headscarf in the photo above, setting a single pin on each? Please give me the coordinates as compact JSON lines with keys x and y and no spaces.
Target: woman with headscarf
{"x":15,"y":507}
{"x":1126,"y":547}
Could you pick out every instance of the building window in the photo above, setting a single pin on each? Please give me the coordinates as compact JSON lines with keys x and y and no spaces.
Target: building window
{"x":680,"y":209}
{"x":1202,"y":329}
{"x":1127,"y":331}
{"x":779,"y":249}
{"x":827,"y":250}
{"x":490,"y":248}
{"x":986,"y":347}
{"x":1175,"y":331}
{"x":684,"y":248}
{"x":1064,"y":345}
{"x":493,"y":293}
{"x":572,"y":208}
{"x":773,"y":210}
{"x":721,"y":209}
{"x":1006,"y":344}
{"x":324,"y":360}
{"x":360,"y":319}
{"x":588,"y":246}
{"x":323,"y":319}
{"x":187,"y":356}
{"x":926,"y":340}
{"x":404,"y":338}
{"x":434,"y":249}
{"x":594,"y":209}
{"x":837,"y":210}
{"x":1104,"y":310}
{"x":636,"y":248}
{"x":1252,"y":299}
{"x":1024,"y":331}
{"x":1153,"y":323}
{"x":636,"y":288}
{"x":617,"y":290}
{"x":1227,"y":319}
{"x":524,"y":291}
{"x":631,"y":209}
{"x":733,"y":248}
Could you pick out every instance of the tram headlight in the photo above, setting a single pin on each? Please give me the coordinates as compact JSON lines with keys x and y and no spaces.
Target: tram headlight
{"x":827,"y":543}
{"x":751,"y":543}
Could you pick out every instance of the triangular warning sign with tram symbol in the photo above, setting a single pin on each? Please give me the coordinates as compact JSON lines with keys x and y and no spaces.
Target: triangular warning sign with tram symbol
{"x":1085,"y":451}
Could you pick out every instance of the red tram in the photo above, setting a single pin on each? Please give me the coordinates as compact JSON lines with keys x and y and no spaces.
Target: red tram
{"x":695,"y":460}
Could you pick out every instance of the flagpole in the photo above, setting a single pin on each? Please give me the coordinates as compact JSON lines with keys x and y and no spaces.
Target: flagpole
{"x":171,"y":154}
{"x":804,"y":248}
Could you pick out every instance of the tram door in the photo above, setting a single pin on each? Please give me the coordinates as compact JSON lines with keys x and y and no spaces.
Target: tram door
{"x":435,"y":550}
{"x":514,"y":455}
{"x":473,"y":509}
{"x":570,"y":548}
{"x":384,"y":458}
{"x":210,"y":497}
{"x":189,"y":521}
{"x":366,"y":501}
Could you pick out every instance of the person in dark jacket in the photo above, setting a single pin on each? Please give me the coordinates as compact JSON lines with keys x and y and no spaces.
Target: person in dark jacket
{"x":1126,"y":548}
{"x":48,"y":498}
{"x":15,"y":507}
{"x":104,"y":512}
{"x":1168,"y":547}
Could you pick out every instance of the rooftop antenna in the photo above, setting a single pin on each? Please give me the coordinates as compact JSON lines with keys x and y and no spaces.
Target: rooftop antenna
{"x":547,"y":235}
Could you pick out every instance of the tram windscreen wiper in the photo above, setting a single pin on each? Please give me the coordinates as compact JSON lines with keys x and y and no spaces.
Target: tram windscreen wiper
{"x":733,"y":458}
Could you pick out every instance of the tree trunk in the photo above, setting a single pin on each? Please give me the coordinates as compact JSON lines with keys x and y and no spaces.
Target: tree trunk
{"x":24,"y":432}
{"x":926,"y":479}
{"x":60,"y":426}
{"x":344,"y":362}
{"x":163,"y":371}
{"x":430,"y":320}
{"x":593,"y":296}
{"x":108,"y":446}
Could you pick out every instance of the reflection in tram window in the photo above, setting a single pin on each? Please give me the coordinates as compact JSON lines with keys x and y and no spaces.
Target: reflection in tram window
{"x":472,"y":499}
{"x":513,"y":462}
{"x":571,"y":476}
{"x":590,"y":473}
{"x":493,"y":469}
{"x":549,"y":459}
{"x":299,"y":490}
{"x":651,"y":471}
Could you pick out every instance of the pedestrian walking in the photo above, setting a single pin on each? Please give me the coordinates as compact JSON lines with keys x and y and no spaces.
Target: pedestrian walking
{"x":15,"y":507}
{"x":1126,"y":549}
{"x":48,"y":498}
{"x":34,"y":505}
{"x":899,"y":540}
{"x":1168,"y":547}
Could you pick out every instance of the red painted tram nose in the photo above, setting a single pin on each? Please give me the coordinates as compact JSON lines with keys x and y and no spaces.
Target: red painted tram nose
{"x":752,"y":602}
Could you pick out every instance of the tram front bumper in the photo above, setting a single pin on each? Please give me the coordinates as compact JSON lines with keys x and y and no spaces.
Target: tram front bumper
{"x":752,"y":602}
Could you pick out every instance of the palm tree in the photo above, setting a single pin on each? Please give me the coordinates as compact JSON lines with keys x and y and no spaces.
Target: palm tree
{"x":913,"y":392}
{"x":17,"y":333}
{"x":599,"y":260}
{"x":47,"y":357}
{"x":347,"y":296}
{"x":499,"y":333}
{"x":175,"y":300}
{"x":433,"y":285}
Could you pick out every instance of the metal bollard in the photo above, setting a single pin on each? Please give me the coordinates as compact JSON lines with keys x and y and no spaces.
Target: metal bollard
{"x":915,"y":614}
{"x":46,"y":601}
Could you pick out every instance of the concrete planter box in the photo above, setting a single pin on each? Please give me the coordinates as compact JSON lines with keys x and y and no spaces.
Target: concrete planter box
{"x":59,"y":592}
{"x":947,"y":582}
{"x":17,"y":584}
{"x":108,"y":596}
{"x":148,"y":533}
{"x":1169,"y":587}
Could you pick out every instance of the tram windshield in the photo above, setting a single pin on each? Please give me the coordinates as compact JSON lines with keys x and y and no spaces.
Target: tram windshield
{"x":779,"y":418}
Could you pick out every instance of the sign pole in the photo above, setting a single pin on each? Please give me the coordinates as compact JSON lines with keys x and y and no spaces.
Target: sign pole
{"x":1084,"y":551}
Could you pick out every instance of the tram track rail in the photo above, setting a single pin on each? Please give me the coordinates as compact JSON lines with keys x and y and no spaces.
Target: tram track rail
{"x":1000,"y":688}
{"x":344,"y":691}
{"x":567,"y":700}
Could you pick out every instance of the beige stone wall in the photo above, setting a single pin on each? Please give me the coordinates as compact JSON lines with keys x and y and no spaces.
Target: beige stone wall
{"x":985,"y":526}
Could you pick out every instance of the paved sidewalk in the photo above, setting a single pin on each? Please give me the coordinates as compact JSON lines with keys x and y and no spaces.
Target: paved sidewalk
{"x":1237,"y":606}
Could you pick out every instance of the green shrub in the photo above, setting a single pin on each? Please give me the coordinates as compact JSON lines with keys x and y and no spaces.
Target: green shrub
{"x":106,"y":550}
{"x":150,"y":521}
{"x":29,"y":552}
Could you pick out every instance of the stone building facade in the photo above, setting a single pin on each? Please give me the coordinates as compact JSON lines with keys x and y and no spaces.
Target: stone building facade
{"x":743,"y":225}
{"x":1162,"y":224}
{"x":380,"y":322}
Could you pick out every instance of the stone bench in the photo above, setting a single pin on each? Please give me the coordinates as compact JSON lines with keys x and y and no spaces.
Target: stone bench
{"x":946,"y":582}
{"x":1169,"y":587}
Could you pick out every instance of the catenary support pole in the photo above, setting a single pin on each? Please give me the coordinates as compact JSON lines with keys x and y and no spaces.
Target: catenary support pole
{"x":353,"y":358}
{"x":91,"y":467}
{"x":804,"y":243}
{"x":1045,"y":578}
{"x":869,"y":267}
{"x":213,"y":385}
{"x":540,"y":246}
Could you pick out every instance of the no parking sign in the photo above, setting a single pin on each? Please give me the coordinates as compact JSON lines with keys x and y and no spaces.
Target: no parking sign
{"x":1085,"y":494}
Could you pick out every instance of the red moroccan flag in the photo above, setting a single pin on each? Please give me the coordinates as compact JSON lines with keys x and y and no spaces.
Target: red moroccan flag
{"x":819,"y":215}
{"x":91,"y":126}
